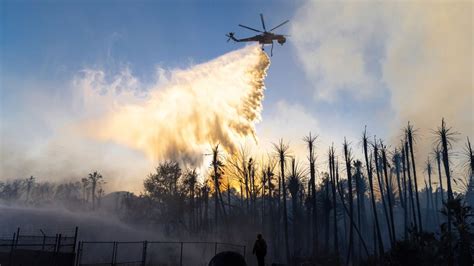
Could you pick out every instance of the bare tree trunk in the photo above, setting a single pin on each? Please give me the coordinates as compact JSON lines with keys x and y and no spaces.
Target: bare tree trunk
{"x":405,"y":193}
{"x":359,"y":199}
{"x":247,"y":192}
{"x":438,"y":162}
{"x":334,"y":200}
{"x":444,"y":132}
{"x":387,"y":184}
{"x":410,"y":141}
{"x":282,"y":152}
{"x":372,"y":194}
{"x":382,"y":197}
{"x":410,"y":188}
{"x":351,"y":221}
{"x":432,"y":213}
{"x":312,"y":160}
{"x":264,"y":180}
{"x":326,"y":216}
{"x":348,"y":160}
{"x":399,"y":183}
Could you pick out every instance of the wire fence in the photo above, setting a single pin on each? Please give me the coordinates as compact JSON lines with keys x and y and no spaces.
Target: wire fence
{"x":24,"y":248}
{"x":159,"y":253}
{"x":57,"y":243}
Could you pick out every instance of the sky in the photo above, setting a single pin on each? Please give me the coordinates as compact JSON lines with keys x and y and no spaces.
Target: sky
{"x":345,"y":65}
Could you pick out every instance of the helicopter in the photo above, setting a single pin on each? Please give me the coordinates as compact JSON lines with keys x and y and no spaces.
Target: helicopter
{"x":266,"y":37}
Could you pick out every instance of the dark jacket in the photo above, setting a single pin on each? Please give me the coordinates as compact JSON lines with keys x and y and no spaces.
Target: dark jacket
{"x":260,"y":247}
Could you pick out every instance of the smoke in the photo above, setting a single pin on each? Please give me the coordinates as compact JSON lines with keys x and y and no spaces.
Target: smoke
{"x":429,"y":65}
{"x":415,"y":56}
{"x":121,"y":125}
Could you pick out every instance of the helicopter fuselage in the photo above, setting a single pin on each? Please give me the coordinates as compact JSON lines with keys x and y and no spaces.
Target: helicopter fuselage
{"x":264,"y":38}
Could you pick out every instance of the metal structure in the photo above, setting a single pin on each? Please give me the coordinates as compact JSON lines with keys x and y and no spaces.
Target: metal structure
{"x":27,"y":248}
{"x":23,"y":248}
{"x":141,"y":253}
{"x":266,"y":37}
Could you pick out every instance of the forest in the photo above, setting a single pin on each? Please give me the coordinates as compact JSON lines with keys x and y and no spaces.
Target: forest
{"x":360,"y":203}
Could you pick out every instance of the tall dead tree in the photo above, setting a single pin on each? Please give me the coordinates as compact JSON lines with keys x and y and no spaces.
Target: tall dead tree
{"x":369,"y":168}
{"x":445,"y":137}
{"x":389,"y":194}
{"x":217,"y":173}
{"x":410,"y":186}
{"x":282,"y":152}
{"x":437,"y":153}
{"x":409,"y":133}
{"x":94,"y":179}
{"x":378,"y":171}
{"x":332,"y":174}
{"x":312,"y":171}
{"x":348,"y":160}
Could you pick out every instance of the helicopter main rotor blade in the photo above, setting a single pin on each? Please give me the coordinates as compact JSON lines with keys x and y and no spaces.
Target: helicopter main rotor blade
{"x":243,"y":26}
{"x":263,"y":23}
{"x":280,"y":25}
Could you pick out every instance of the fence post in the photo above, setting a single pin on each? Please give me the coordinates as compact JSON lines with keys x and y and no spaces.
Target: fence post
{"x":145,"y":243}
{"x":59,"y":243}
{"x":114,"y":253}
{"x":55,"y":242}
{"x":44,"y":241}
{"x":181,"y":255}
{"x":17,"y":235}
{"x":11,"y":250}
{"x":75,"y":240}
{"x":215,"y":248}
{"x":79,"y":254}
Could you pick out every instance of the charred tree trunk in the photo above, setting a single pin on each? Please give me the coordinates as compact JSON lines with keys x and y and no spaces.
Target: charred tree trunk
{"x":282,"y":150}
{"x":405,"y":193}
{"x":348,"y":160}
{"x":334,"y":201}
{"x":382,"y":197}
{"x":389,"y":198}
{"x":372,"y":194}
{"x":312,"y":160}
{"x":410,"y":141}
{"x":410,"y":188}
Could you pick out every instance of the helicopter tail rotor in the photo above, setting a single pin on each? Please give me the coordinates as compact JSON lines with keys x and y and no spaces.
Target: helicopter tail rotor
{"x":230,"y":36}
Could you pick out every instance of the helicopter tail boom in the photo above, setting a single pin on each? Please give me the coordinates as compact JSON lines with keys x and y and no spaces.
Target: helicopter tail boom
{"x":230,"y":36}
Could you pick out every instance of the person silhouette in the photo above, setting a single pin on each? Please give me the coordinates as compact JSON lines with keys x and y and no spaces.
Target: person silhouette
{"x":260,"y":250}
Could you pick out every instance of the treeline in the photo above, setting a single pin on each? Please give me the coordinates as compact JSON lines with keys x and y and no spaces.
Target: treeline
{"x":374,"y":210}
{"x":84,"y":194}
{"x":329,"y":208}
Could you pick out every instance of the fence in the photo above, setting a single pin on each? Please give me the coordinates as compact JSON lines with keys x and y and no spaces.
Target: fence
{"x":26,"y":248}
{"x":22,"y":248}
{"x":151,"y":253}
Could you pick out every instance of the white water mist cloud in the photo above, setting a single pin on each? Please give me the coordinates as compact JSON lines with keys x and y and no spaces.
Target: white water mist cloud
{"x":217,"y":102}
{"x":120,"y":125}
